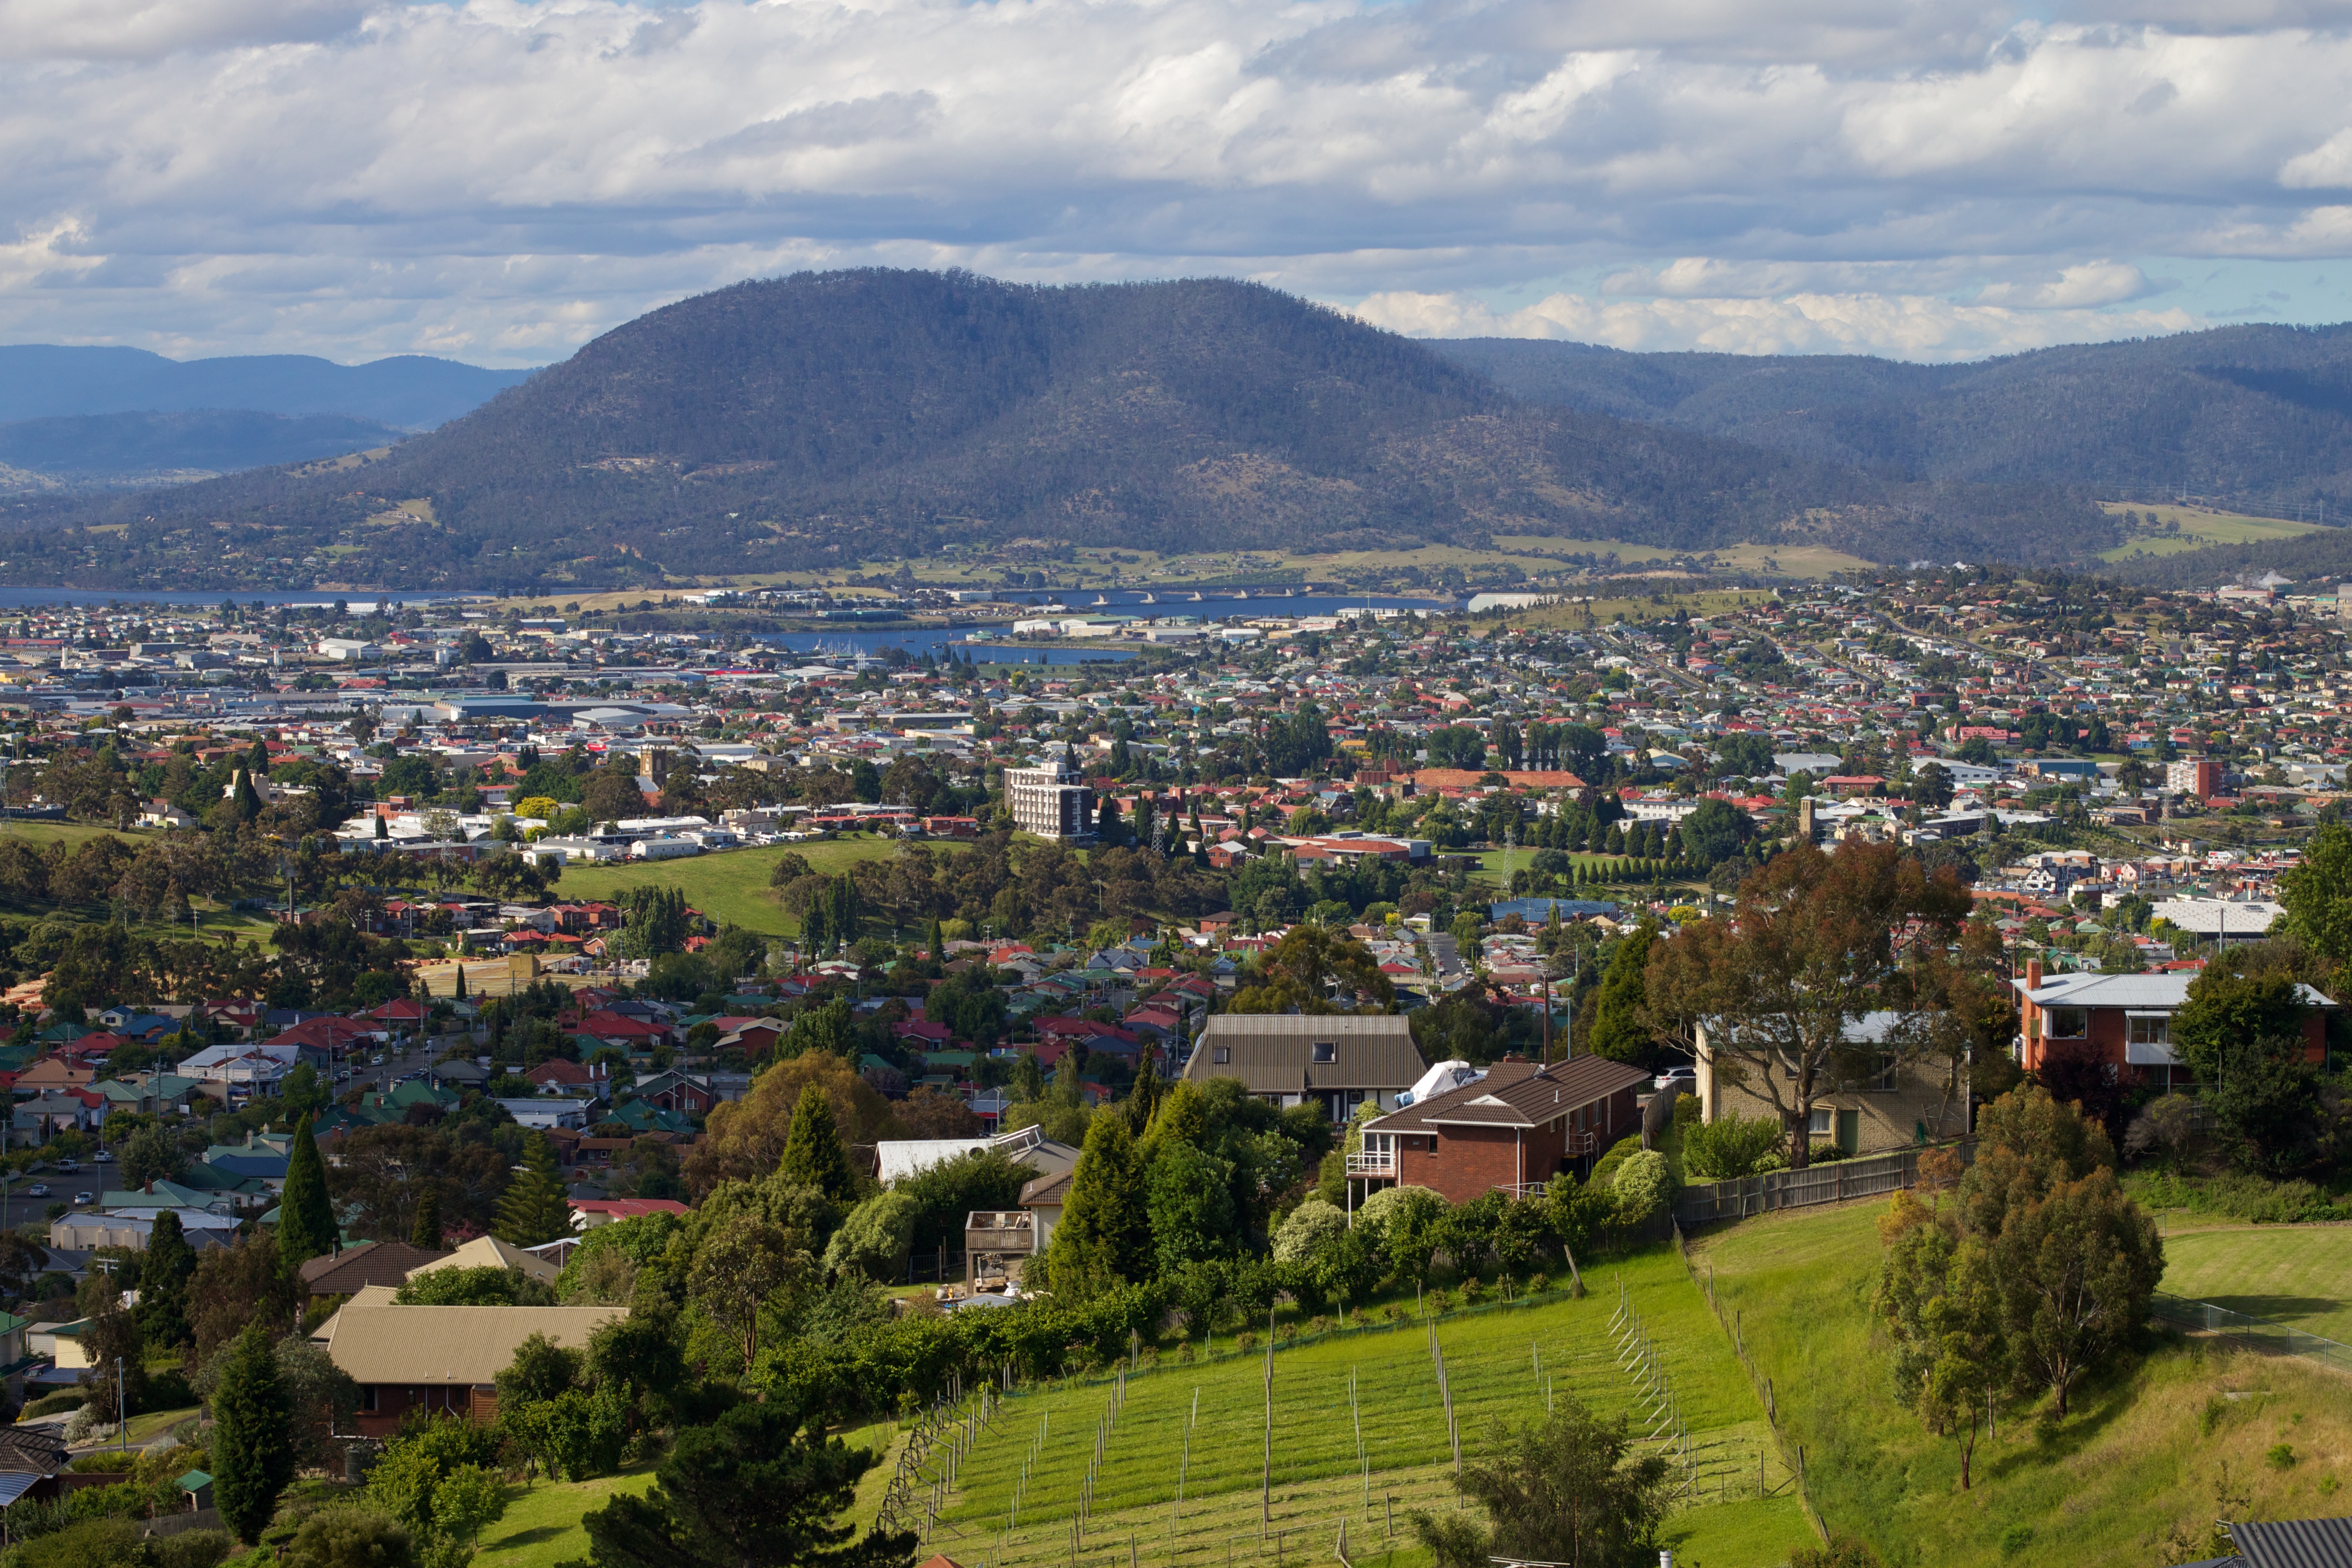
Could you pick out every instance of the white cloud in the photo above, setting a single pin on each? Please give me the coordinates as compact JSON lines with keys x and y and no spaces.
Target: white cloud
{"x":2079,"y":288}
{"x":503,"y":178}
{"x":1908,"y":326}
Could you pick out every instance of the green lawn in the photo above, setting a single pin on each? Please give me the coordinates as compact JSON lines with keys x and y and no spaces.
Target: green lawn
{"x":542,"y":1527}
{"x":730,"y":885}
{"x":2130,"y":1460}
{"x":2297,"y":1274}
{"x":1492,"y":1360}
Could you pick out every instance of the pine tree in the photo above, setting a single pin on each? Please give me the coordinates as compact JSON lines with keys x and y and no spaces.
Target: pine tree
{"x":245,"y":801}
{"x":306,"y":1217}
{"x":813,"y":1152}
{"x":533,"y":1212}
{"x":252,"y":1440}
{"x":460,"y":991}
{"x":936,"y":943}
{"x":163,"y":1283}
{"x":427,"y":1233}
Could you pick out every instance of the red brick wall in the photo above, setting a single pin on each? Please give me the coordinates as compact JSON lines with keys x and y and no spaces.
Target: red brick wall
{"x":1468,"y":1162}
{"x":394,"y":1401}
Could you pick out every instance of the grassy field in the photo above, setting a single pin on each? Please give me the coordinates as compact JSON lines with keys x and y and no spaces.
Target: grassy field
{"x":1501,"y":1364}
{"x":542,"y":1527}
{"x":2198,"y":528}
{"x":2141,"y":1451}
{"x":2297,"y":1274}
{"x":731,"y":886}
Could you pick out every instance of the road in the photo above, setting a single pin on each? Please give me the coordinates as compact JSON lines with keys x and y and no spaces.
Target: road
{"x":1447,"y":952}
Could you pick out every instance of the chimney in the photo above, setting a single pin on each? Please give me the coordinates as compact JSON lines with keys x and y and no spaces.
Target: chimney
{"x":2034,"y":975}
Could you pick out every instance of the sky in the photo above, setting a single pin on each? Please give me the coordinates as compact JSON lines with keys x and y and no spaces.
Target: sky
{"x":499,"y":181}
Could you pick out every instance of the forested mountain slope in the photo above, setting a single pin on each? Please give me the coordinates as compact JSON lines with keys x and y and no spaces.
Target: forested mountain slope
{"x":2262,"y":413}
{"x":83,"y":450}
{"x":826,"y":418}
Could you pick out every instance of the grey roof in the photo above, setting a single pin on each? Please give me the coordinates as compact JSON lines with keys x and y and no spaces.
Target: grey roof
{"x":2165,"y":991}
{"x":2294,"y":1543}
{"x":1516,"y":1094}
{"x":1272,"y":1053}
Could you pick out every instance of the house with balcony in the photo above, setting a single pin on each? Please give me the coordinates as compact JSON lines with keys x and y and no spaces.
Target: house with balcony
{"x":1512,"y":1128}
{"x":2125,"y":1021}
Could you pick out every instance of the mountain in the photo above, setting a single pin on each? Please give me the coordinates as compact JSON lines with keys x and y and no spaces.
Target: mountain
{"x":86,"y":450}
{"x":832,"y":418}
{"x":411,"y":392}
{"x":2257,"y":416}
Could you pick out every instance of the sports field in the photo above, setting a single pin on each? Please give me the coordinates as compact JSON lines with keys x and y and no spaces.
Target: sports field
{"x":731,"y":886}
{"x":1501,"y":1365}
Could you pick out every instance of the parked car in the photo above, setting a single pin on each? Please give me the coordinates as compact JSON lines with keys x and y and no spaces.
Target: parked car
{"x":39,"y":1189}
{"x":85,"y":1198}
{"x":1682,"y":1078}
{"x":102,"y":1158}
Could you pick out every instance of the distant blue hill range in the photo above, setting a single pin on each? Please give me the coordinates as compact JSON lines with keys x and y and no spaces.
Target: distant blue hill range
{"x":74,"y":418}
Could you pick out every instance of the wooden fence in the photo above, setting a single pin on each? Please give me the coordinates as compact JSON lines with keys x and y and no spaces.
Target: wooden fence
{"x":1834,"y":1182}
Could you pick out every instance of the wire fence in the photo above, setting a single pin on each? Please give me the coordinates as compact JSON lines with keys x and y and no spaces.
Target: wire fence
{"x":1792,"y":1453}
{"x":2241,"y":1328}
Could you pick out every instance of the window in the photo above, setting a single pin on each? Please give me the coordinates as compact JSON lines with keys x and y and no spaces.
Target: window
{"x":367,"y":1397}
{"x":1325,"y":1051}
{"x":2067,"y":1024}
{"x":1819,"y":1122}
{"x":1221,"y":1055}
{"x":2151,"y":1031}
{"x":1882,"y":1080}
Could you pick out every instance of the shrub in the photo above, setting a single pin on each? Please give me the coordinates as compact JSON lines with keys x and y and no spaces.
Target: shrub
{"x":2279,"y":1457}
{"x":1826,"y":1154}
{"x":1729,"y":1147}
{"x":1644,"y":1185}
{"x":1312,"y":1226}
{"x":191,"y":1549}
{"x":54,"y":1404}
{"x":1538,"y":1283}
{"x":1604,"y":1169}
{"x":352,"y":1538}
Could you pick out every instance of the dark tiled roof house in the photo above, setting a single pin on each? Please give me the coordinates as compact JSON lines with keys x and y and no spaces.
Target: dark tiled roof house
{"x":1338,"y":1062}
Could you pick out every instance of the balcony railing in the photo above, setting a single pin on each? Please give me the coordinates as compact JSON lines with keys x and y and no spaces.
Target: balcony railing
{"x":1368,"y":1163}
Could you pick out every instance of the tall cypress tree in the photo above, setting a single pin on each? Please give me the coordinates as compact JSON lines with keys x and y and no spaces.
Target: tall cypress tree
{"x":253,"y":1442}
{"x":306,"y":1217}
{"x":163,"y":1283}
{"x":1105,"y":1234}
{"x":426,"y":1232}
{"x":813,"y":1152}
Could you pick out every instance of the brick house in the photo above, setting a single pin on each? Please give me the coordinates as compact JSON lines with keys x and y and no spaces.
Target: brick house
{"x":440,"y":1360}
{"x":2126,"y":1019}
{"x":1512,"y":1130}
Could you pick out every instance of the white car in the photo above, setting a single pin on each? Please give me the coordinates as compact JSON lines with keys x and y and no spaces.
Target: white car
{"x":85,"y":1198}
{"x":39,"y":1189}
{"x":1682,"y":1078}
{"x":102,"y":1158}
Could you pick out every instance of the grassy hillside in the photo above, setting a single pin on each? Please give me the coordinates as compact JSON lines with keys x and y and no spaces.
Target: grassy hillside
{"x":542,"y":1527}
{"x":2297,"y":1274}
{"x":2142,"y":1451}
{"x":1501,"y":1364}
{"x":2199,"y":530}
{"x":731,"y":886}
